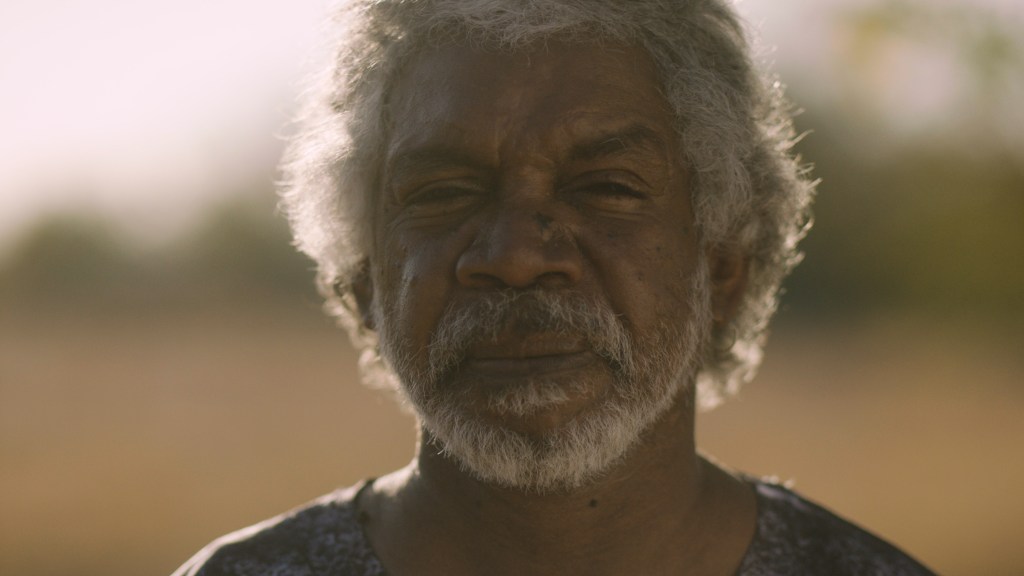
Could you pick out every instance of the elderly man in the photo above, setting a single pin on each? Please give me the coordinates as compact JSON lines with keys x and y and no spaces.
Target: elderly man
{"x":556,"y":228}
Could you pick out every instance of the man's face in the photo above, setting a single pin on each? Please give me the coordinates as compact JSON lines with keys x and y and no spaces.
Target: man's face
{"x":536,"y":275}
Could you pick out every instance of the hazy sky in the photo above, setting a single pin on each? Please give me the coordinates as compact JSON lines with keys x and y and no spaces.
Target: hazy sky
{"x":149,"y":110}
{"x":142,"y":108}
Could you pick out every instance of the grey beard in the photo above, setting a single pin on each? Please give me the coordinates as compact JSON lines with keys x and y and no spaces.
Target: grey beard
{"x":649,"y":373}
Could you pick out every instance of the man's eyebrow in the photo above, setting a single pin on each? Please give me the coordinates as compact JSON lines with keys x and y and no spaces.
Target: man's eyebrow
{"x":427,"y":159}
{"x":636,"y":136}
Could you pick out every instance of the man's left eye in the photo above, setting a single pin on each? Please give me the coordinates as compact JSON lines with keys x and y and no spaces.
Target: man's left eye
{"x":615,"y":189}
{"x":610,"y":196}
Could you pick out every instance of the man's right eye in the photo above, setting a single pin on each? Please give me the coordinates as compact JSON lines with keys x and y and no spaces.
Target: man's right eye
{"x":442,"y":199}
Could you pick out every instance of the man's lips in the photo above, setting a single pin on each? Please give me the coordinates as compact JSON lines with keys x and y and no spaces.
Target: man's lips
{"x":530,"y":356}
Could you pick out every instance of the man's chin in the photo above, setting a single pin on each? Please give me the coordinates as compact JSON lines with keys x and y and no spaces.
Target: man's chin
{"x":538,"y":463}
{"x":545,"y":452}
{"x":538,"y":409}
{"x":539,"y":427}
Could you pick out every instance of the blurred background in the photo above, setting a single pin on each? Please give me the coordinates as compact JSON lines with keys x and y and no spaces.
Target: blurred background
{"x":166,"y":375}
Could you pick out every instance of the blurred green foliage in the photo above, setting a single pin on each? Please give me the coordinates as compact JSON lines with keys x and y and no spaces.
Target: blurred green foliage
{"x":238,"y":255}
{"x":923,"y":227}
{"x":919,"y":209}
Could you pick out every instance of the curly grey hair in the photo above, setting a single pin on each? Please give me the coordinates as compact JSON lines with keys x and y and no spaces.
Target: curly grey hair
{"x":749,"y":192}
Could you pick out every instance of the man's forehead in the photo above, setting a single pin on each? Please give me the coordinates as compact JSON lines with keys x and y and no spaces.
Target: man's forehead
{"x":600,"y":141}
{"x":468,"y":72}
{"x":603,"y":98}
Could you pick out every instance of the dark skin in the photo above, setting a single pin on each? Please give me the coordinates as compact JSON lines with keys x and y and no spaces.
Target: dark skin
{"x":555,"y":167}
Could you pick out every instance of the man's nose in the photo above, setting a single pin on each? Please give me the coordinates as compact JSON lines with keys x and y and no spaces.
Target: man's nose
{"x":521,"y":247}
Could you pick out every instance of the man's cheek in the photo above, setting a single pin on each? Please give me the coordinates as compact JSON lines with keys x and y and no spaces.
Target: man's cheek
{"x":415,"y":300}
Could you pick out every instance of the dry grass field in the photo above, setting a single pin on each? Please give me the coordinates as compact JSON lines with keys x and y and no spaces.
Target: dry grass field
{"x":128,"y":443}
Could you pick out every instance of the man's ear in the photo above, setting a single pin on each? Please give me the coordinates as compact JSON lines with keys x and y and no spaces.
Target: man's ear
{"x":362,"y":291}
{"x":729,"y":269}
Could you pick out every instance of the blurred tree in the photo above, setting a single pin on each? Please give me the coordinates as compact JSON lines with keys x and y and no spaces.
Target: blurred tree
{"x":239,"y":255}
{"x":242,"y":252}
{"x":70,"y":259}
{"x":922,"y":202}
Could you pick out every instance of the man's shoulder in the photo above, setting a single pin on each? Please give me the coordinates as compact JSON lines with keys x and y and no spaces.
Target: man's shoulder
{"x":797,"y":536}
{"x":321,"y":537}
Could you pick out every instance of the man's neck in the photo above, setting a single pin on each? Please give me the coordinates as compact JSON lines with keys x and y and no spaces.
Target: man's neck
{"x":662,"y":509}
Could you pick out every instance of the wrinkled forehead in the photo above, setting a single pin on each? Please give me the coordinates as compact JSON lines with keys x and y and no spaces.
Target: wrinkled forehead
{"x":461,"y":88}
